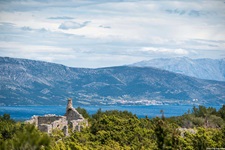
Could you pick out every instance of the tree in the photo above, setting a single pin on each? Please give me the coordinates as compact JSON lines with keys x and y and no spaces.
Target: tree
{"x":83,"y":112}
{"x":160,"y":133}
{"x":28,"y":137}
{"x":221,"y":112}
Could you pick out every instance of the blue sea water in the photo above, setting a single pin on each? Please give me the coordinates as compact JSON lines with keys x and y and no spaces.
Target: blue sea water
{"x":26,"y":112}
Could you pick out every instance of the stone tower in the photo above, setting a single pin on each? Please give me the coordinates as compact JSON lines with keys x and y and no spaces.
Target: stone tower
{"x":69,"y":104}
{"x":71,"y":113}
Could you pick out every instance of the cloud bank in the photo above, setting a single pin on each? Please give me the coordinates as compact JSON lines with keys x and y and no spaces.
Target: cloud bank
{"x":108,"y":33}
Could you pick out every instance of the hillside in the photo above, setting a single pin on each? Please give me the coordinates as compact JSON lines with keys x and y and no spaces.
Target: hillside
{"x":28,"y":82}
{"x":211,"y":69}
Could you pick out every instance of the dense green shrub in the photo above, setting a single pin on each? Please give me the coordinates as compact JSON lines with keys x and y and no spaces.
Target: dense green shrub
{"x":116,"y":130}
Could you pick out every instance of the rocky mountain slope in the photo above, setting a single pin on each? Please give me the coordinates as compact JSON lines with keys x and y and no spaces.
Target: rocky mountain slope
{"x":28,"y":82}
{"x":211,"y":69}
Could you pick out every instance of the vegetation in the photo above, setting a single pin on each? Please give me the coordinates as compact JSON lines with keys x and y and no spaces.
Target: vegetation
{"x":198,"y":129}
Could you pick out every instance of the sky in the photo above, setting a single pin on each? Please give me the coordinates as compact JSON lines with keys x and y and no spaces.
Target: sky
{"x":102,"y":33}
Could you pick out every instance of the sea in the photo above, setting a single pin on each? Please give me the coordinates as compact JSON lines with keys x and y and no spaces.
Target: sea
{"x":21,"y":113}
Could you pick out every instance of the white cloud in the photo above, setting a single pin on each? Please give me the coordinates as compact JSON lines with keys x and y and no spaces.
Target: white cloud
{"x":165,"y":50}
{"x":61,"y":18}
{"x":123,"y":31}
{"x":72,"y":25}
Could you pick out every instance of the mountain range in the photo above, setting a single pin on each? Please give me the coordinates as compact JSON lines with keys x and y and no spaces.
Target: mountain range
{"x":29,"y":82}
{"x":210,"y":69}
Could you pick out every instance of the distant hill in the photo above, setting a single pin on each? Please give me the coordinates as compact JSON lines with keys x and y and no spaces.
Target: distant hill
{"x":211,"y":69}
{"x":29,"y":82}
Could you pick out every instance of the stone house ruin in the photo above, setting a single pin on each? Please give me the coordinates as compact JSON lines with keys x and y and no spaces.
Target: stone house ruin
{"x":72,"y":119}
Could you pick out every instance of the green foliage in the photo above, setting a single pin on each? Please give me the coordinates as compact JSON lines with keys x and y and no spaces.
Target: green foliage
{"x":121,"y":127}
{"x":118,"y":130}
{"x":17,"y":136}
{"x":221,"y":112}
{"x":28,"y":137}
{"x":201,"y":116}
{"x":83,"y":112}
{"x":57,"y":134}
{"x":202,"y":111}
{"x":6,"y":117}
{"x":7,"y":128}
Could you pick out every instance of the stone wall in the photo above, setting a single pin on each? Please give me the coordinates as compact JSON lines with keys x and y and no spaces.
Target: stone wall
{"x":78,"y":125}
{"x":59,"y":124}
{"x":72,"y":114}
{"x":45,"y":128}
{"x":33,"y":120}
{"x":48,"y":119}
{"x":48,"y":123}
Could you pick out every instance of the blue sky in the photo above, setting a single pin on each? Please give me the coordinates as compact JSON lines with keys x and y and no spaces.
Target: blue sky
{"x":82,"y":33}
